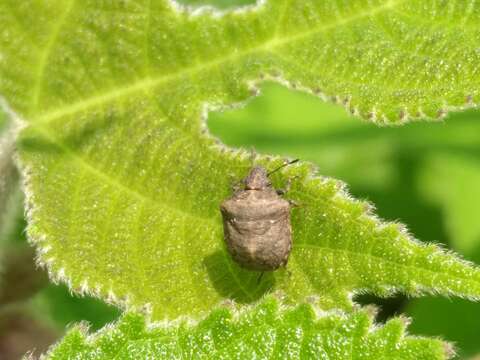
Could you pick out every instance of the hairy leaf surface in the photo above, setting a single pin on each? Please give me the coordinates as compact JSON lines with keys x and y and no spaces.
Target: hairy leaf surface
{"x":261,"y":332}
{"x":123,"y":183}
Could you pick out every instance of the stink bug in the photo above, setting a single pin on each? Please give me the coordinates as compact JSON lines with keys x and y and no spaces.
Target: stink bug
{"x":256,"y":223}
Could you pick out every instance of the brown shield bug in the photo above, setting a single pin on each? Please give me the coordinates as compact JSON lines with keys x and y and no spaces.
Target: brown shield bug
{"x":256,"y":223}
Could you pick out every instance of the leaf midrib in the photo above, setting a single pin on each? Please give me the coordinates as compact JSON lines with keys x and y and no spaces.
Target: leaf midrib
{"x":37,"y":86}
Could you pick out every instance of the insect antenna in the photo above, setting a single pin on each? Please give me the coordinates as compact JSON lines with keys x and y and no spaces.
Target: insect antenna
{"x":283,"y":165}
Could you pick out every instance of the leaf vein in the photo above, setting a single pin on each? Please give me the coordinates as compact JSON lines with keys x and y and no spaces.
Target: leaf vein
{"x":47,"y":51}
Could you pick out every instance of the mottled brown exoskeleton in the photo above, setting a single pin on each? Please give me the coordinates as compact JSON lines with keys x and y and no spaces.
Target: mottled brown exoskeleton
{"x":256,"y":223}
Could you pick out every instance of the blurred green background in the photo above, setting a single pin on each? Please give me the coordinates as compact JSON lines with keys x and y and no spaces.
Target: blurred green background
{"x":425,"y":175}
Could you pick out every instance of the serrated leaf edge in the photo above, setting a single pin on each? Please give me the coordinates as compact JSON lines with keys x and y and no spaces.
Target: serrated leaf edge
{"x":237,"y":311}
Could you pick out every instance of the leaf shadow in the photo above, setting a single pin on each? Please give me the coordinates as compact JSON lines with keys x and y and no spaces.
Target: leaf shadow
{"x":38,"y":144}
{"x":49,"y":139}
{"x":234,"y":283}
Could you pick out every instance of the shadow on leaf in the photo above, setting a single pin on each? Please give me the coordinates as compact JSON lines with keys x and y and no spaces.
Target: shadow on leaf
{"x":235,"y":283}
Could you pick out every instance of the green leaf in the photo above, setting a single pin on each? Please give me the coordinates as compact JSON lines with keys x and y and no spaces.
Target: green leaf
{"x":58,"y":60}
{"x":123,"y":182}
{"x":264,"y":331}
